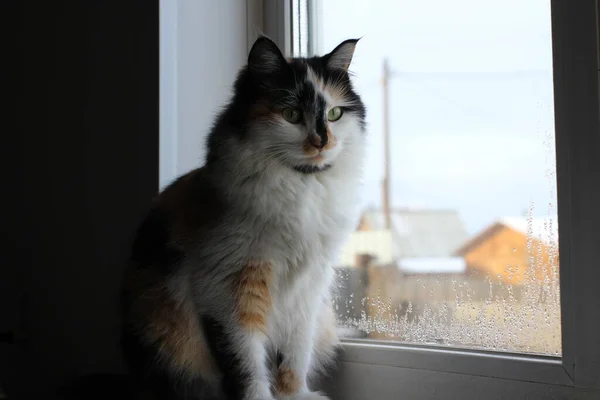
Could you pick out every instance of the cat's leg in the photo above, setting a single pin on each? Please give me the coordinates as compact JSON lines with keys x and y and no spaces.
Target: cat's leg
{"x":238,"y":335}
{"x":326,"y":343}
{"x":297,"y":358}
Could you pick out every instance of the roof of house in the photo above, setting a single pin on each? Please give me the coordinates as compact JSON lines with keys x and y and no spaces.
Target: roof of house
{"x":541,"y":228}
{"x":544,"y":229}
{"x":421,"y":233}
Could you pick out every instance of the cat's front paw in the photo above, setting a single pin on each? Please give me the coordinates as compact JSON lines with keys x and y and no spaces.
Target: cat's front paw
{"x":306,"y":396}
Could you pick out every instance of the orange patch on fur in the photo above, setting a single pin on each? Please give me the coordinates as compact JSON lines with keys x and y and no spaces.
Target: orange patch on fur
{"x":192,"y":213}
{"x":287,"y":383}
{"x":170,"y":326}
{"x":253,"y":295}
{"x":331,"y":140}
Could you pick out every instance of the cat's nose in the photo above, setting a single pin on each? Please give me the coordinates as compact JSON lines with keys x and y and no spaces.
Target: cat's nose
{"x":317,"y":141}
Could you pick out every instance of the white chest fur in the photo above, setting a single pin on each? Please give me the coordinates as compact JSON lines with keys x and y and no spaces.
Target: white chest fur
{"x":295,"y":221}
{"x":299,"y":222}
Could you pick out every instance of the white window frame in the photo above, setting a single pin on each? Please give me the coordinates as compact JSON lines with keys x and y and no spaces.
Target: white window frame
{"x":380,"y":370}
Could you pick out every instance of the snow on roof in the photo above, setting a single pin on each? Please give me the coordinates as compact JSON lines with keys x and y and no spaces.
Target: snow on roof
{"x":433,"y":265}
{"x":540,"y":228}
{"x":422,"y":233}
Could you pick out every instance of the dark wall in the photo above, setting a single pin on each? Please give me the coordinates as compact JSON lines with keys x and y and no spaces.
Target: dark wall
{"x":79,"y":170}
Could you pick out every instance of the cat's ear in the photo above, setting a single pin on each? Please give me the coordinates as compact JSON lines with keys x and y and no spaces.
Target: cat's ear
{"x":265,"y":57}
{"x":341,"y":56}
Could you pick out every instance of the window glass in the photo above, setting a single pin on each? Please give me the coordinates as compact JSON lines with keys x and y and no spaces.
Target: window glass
{"x":470,"y":255}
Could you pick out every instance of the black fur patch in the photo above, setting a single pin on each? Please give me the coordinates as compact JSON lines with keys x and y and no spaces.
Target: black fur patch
{"x":320,"y":123}
{"x":141,"y":360}
{"x":151,"y":246}
{"x":235,"y":378}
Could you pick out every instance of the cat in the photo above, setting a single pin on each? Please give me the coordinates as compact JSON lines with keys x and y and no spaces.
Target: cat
{"x":227,"y":293}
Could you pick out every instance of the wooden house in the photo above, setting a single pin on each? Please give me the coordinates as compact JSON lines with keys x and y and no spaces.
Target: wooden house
{"x":513,"y":249}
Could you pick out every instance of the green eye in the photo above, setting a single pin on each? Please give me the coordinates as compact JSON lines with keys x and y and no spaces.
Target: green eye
{"x":292,"y":115}
{"x":334,"y":114}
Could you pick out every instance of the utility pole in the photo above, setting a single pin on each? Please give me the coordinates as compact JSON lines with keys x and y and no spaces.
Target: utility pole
{"x":386,"y":147}
{"x":387,"y":74}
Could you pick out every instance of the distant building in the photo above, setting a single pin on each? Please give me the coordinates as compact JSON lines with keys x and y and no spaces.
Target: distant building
{"x":427,"y":266}
{"x":376,"y":243}
{"x":432,"y":234}
{"x":400,"y":265}
{"x":510,"y":248}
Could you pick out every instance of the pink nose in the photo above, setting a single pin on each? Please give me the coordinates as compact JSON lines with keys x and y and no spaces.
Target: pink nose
{"x":316,"y":142}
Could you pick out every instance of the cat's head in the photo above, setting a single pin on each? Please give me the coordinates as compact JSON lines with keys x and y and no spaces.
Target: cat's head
{"x":300,"y":112}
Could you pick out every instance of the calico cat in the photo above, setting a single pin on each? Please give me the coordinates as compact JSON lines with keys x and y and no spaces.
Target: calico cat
{"x":228,"y":291}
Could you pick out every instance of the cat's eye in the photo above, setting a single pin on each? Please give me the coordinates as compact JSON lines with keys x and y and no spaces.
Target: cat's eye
{"x":292,"y":115}
{"x":335,"y":113}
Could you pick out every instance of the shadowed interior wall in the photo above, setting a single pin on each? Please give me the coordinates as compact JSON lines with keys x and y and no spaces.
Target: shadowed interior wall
{"x":83,"y":168}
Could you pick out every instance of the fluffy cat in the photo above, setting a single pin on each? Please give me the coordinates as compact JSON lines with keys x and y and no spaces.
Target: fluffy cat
{"x":228,"y":291}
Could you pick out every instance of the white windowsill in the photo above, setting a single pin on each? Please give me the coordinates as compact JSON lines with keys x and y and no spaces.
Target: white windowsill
{"x":518,"y":367}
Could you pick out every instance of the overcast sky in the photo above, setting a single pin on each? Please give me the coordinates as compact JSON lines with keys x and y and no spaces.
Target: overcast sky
{"x":470,"y":101}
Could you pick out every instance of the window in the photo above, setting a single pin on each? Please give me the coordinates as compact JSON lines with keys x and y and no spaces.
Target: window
{"x":482,"y":278}
{"x":461,"y":112}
